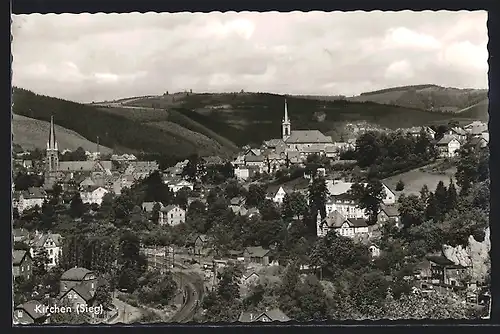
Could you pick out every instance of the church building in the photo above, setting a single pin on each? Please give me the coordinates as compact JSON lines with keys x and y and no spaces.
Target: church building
{"x":56,"y":170}
{"x":304,"y":142}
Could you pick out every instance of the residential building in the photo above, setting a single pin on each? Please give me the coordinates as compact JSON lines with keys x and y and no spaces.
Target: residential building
{"x":257,"y":255}
{"x":438,"y":269}
{"x":141,"y":169}
{"x":276,"y":194}
{"x":339,"y":187}
{"x":333,"y":219}
{"x":51,"y":243}
{"x":20,"y":235}
{"x":199,"y":243}
{"x":22,"y":264}
{"x":389,"y":213}
{"x":28,"y":313}
{"x":478,"y":142}
{"x":172,"y":215}
{"x":28,"y":199}
{"x":345,"y":205}
{"x":448,"y":146}
{"x":80,"y":281}
{"x":348,"y":227}
{"x":175,"y":186}
{"x":93,"y":194}
{"x":458,"y":133}
{"x":267,"y":316}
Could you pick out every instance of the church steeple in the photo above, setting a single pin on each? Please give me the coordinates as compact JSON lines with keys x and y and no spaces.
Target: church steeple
{"x":52,"y":150}
{"x":52,"y":143}
{"x":286,"y":125}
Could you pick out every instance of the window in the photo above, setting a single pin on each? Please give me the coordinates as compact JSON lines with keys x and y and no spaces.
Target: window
{"x":22,"y":269}
{"x":171,"y":215}
{"x":19,"y":313}
{"x":92,"y":285}
{"x":28,"y":267}
{"x":50,"y":252}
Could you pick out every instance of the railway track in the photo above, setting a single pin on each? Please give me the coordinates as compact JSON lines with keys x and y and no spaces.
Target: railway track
{"x":192,"y":291}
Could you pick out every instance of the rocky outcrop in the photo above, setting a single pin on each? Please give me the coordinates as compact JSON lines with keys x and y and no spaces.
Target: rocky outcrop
{"x":474,"y":255}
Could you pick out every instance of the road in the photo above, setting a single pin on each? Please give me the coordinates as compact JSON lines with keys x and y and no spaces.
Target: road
{"x":127,"y":314}
{"x":192,"y":287}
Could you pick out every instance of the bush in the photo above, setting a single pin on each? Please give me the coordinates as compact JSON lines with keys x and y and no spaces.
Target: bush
{"x":400,"y":186}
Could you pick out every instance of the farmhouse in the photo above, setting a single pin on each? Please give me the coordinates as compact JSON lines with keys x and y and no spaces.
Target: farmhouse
{"x":27,"y":199}
{"x":172,"y":215}
{"x":22,"y":264}
{"x":448,"y":146}
{"x":27,"y":313}
{"x":93,"y":194}
{"x":257,"y":255}
{"x":49,"y":242}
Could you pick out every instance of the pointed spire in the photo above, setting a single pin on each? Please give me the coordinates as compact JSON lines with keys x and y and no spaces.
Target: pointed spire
{"x":52,"y":144}
{"x":285,"y":120}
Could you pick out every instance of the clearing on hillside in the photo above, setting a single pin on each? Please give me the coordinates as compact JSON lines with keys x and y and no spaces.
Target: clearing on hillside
{"x":415,"y":179}
{"x":31,"y":133}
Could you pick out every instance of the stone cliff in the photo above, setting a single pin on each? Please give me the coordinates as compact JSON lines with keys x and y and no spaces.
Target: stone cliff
{"x":475,"y":255}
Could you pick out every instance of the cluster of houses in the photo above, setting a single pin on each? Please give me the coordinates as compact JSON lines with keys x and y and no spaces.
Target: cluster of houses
{"x":77,"y":289}
{"x":292,"y":148}
{"x":475,"y":133}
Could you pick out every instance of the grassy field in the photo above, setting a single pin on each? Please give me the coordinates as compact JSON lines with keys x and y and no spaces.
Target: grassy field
{"x":426,"y":97}
{"x":415,"y":179}
{"x":31,"y":133}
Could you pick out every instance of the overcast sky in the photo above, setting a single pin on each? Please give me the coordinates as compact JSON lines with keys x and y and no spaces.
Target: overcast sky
{"x":95,"y":57}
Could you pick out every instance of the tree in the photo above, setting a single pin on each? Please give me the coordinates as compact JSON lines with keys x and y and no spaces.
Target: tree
{"x":412,"y":210}
{"x":441,"y":196}
{"x":103,"y":296}
{"x":256,"y":195}
{"x":155,"y":215}
{"x":368,"y":149}
{"x":400,"y":186}
{"x":40,"y":262}
{"x":77,"y":208}
{"x":369,"y":197}
{"x":451,"y":197}
{"x":318,"y":195}
{"x":294,"y":205}
{"x":190,"y":171}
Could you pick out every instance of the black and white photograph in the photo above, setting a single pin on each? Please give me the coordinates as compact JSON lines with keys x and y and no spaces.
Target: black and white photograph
{"x":249,"y":167}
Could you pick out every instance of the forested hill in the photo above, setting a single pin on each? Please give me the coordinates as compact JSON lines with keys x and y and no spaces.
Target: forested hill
{"x":245,"y":117}
{"x":429,"y":97}
{"x":116,"y":131}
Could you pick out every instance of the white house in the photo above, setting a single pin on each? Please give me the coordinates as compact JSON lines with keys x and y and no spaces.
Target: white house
{"x":276,"y":195}
{"x":448,"y":146}
{"x":51,"y":242}
{"x":172,"y":215}
{"x":345,"y":206}
{"x":349,"y":227}
{"x":338,"y":187}
{"x":242,"y":173}
{"x":176,"y":186}
{"x":93,"y":194}
{"x":27,"y":199}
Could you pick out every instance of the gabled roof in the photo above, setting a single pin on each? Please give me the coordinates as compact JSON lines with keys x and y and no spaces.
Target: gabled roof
{"x":390,"y":210}
{"x":334,"y":219}
{"x":84,"y":166}
{"x":337,"y":187}
{"x":40,"y":239}
{"x":75,"y":274}
{"x":82,"y":290}
{"x":459,"y":131}
{"x":440,"y":260}
{"x":274,"y":142}
{"x":254,"y":158}
{"x":446,"y":140}
{"x":308,"y":136}
{"x":18,"y":256}
{"x":256,"y":251}
{"x":237,"y":200}
{"x":29,"y":307}
{"x":171,"y":207}
{"x":213,"y":160}
{"x":356,"y":222}
{"x":34,"y":193}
